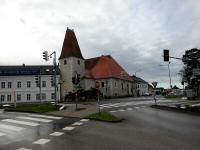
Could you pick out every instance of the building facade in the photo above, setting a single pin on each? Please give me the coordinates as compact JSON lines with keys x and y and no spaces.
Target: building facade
{"x":115,"y":81}
{"x":141,"y":86}
{"x":18,"y":83}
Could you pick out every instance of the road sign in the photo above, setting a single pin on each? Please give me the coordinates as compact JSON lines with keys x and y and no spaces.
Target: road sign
{"x":154,"y":84}
{"x":97,"y":84}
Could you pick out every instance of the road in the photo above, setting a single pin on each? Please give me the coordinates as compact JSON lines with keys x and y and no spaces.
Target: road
{"x":144,"y":128}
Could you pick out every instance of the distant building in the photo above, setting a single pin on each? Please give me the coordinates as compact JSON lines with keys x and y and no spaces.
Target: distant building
{"x":141,"y":86}
{"x":115,"y":81}
{"x":17,"y":83}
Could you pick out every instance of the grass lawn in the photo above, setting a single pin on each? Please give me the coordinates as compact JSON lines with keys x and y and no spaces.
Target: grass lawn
{"x":34,"y":108}
{"x":104,"y":116}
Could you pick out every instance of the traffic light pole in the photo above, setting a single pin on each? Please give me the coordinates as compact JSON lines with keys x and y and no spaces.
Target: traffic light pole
{"x":40,"y":87}
{"x":170,"y":81}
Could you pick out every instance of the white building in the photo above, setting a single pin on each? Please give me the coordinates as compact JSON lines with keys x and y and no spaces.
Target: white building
{"x":18,"y":83}
{"x":141,"y":86}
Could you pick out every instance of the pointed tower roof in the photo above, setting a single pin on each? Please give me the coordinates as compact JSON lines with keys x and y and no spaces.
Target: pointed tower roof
{"x":70,"y":46}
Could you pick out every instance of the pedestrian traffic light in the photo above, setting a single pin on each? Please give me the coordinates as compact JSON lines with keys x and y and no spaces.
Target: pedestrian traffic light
{"x":73,"y":80}
{"x":45,"y":55}
{"x":166,"y":54}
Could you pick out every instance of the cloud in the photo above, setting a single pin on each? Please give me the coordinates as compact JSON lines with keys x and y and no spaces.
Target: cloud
{"x":134,"y":32}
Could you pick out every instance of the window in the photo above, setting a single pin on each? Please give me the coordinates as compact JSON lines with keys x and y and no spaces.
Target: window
{"x":43,"y":83}
{"x":18,"y":97}
{"x":115,"y":84}
{"x":122,"y":86}
{"x":65,"y":62}
{"x":102,"y":84}
{"x":19,"y":84}
{"x":52,"y":95}
{"x":37,"y":84}
{"x":9,"y":85}
{"x":3,"y":85}
{"x":28,"y":84}
{"x":78,"y":62}
{"x":37,"y":96}
{"x":28,"y":97}
{"x":2,"y":98}
{"x":9,"y":97}
{"x":43,"y":96}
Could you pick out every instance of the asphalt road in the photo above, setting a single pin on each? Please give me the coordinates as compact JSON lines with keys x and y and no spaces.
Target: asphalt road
{"x":144,"y":128}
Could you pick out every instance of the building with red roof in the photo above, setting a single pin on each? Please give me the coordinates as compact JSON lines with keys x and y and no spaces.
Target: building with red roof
{"x":114,"y":80}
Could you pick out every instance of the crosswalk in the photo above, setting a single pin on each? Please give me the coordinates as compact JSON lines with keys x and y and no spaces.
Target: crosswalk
{"x":23,"y":122}
{"x":131,"y":103}
{"x":127,"y":109}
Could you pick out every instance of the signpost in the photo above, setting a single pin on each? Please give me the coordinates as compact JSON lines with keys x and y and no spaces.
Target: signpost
{"x":97,"y":85}
{"x":154,"y":95}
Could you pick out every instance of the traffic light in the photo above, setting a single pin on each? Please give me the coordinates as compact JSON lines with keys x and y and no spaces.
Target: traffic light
{"x":45,"y":55}
{"x":73,"y":80}
{"x":166,"y":54}
{"x":37,"y":81}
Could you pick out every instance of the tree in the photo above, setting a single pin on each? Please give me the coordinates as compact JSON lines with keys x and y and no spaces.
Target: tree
{"x":191,"y":60}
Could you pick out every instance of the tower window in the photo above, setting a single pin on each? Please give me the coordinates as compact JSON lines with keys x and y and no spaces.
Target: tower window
{"x":65,"y":62}
{"x":78,"y":62}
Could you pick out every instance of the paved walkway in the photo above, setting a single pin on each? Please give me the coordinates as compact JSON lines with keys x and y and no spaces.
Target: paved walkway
{"x":84,"y":109}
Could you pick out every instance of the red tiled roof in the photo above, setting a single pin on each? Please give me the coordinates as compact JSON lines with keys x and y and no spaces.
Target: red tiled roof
{"x":105,"y":67}
{"x":70,"y":46}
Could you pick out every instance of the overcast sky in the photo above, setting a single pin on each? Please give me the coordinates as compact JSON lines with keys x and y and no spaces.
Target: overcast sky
{"x":134,"y":32}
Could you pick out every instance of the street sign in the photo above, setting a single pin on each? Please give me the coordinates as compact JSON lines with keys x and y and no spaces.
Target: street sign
{"x":154,"y":84}
{"x":97,"y":84}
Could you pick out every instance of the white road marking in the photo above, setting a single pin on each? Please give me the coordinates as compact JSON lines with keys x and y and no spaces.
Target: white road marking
{"x":137,"y":107}
{"x":77,"y":123}
{"x":113,"y":111}
{"x":121,"y":110}
{"x":9,"y":127}
{"x":23,"y":149}
{"x":57,"y":134}
{"x":129,"y":109}
{"x":68,"y":128}
{"x":2,"y":134}
{"x":45,"y":116}
{"x":84,"y":120}
{"x":34,"y":119}
{"x":41,"y":141}
{"x":21,"y":122}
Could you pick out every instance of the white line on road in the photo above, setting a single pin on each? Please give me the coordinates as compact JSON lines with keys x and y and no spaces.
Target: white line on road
{"x":21,"y":122}
{"x":23,"y":149}
{"x":68,"y":128}
{"x":34,"y":119}
{"x":57,"y":134}
{"x":2,"y":134}
{"x":41,"y":141}
{"x":137,"y":107}
{"x":84,"y":120}
{"x":129,"y":109}
{"x":121,"y":110}
{"x":45,"y":116}
{"x":9,"y":127}
{"x":113,"y":111}
{"x":77,"y":123}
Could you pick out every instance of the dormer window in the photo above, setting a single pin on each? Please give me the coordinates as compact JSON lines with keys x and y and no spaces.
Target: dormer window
{"x":78,"y":62}
{"x":65,"y":62}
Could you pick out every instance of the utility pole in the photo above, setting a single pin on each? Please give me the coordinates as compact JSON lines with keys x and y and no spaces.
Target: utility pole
{"x":46,"y":57}
{"x":170,"y":81}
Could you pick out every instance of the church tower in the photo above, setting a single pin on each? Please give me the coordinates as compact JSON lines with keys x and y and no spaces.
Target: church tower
{"x":71,"y":62}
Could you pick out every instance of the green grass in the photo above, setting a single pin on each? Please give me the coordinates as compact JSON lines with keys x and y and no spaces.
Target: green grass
{"x":34,"y":108}
{"x":104,"y":116}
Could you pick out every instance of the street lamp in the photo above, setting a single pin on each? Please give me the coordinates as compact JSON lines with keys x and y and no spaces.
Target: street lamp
{"x":139,"y":70}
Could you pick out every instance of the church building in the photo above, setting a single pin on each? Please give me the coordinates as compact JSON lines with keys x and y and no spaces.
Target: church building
{"x":114,"y":80}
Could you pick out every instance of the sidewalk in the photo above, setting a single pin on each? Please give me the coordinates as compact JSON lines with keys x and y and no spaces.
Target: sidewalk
{"x":84,"y":109}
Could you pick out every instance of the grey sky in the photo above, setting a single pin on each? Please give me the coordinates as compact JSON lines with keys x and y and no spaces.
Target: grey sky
{"x":134,"y":32}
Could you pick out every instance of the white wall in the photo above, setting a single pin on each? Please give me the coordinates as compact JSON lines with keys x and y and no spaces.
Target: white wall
{"x":24,"y":90}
